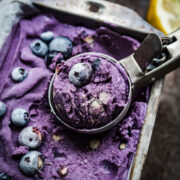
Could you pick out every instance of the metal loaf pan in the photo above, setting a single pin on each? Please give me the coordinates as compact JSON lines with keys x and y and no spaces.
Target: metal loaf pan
{"x":94,"y":13}
{"x":125,"y":21}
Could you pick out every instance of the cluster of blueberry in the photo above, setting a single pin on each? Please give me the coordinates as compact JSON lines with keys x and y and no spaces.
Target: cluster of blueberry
{"x":30,"y":136}
{"x":48,"y":47}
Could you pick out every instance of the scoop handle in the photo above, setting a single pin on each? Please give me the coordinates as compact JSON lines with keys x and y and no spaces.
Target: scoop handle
{"x":171,"y":50}
{"x":135,"y":64}
{"x":151,"y":47}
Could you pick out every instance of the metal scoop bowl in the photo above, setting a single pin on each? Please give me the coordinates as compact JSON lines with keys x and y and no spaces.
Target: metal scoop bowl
{"x":167,"y":49}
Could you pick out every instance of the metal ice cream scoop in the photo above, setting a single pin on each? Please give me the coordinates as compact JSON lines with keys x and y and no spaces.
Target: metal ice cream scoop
{"x":163,"y":55}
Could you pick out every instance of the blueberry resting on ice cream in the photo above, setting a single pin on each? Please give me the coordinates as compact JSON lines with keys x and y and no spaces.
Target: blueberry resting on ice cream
{"x":85,"y":98}
{"x":47,"y":36}
{"x":49,"y":57}
{"x":31,"y":137}
{"x":96,"y":64}
{"x":19,"y":117}
{"x":31,"y":163}
{"x":80,"y":74}
{"x":2,"y":108}
{"x":18,"y":74}
{"x":61,"y":44}
{"x":39,"y":48}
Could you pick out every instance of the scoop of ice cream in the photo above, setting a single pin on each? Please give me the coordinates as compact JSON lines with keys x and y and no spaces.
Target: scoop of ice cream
{"x":90,"y":91}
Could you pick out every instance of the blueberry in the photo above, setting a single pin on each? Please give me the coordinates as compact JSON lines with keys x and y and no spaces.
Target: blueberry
{"x":31,"y":137}
{"x":2,"y":108}
{"x":80,"y":74}
{"x":96,"y":64}
{"x":31,"y":163}
{"x":5,"y":176}
{"x":20,"y":117}
{"x":49,"y":57}
{"x":47,"y":36}
{"x":61,"y":44}
{"x":19,"y":74}
{"x":39,"y":48}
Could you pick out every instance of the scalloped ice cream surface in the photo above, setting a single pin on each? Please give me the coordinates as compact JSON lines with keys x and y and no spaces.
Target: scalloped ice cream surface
{"x":102,"y":95}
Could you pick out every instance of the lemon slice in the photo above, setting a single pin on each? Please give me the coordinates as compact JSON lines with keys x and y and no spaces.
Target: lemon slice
{"x":164,"y":15}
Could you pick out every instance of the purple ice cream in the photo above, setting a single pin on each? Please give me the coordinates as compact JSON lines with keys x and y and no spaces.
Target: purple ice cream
{"x":95,"y":103}
{"x":66,"y":155}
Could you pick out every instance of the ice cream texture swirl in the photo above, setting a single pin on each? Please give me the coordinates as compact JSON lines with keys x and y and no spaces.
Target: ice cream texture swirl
{"x":67,"y":155}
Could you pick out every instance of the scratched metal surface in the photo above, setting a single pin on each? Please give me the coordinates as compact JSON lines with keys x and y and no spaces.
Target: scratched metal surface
{"x":122,"y":18}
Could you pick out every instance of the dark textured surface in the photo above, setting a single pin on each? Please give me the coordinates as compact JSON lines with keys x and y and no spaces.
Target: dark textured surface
{"x":163,"y":160}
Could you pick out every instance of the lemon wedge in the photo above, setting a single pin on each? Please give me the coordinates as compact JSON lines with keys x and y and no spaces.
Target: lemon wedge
{"x":164,"y":15}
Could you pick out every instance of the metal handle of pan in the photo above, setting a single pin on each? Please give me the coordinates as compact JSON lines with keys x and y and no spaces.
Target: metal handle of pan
{"x":163,"y":55}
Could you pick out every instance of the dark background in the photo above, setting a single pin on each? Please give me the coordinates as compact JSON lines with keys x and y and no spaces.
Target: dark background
{"x":163,"y":160}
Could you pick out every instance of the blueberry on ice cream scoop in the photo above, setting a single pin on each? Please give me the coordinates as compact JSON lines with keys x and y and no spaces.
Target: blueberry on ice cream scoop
{"x":31,"y":163}
{"x":20,"y":117}
{"x":2,"y":108}
{"x":96,"y":64}
{"x":61,"y":44}
{"x":31,"y":137}
{"x":4,"y":176}
{"x":47,"y":36}
{"x":80,"y":74}
{"x":19,"y":74}
{"x":39,"y":48}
